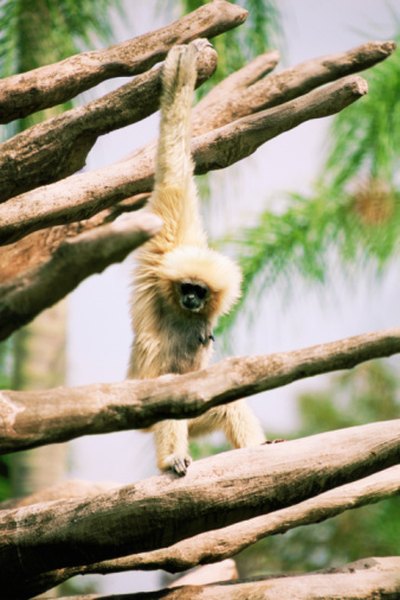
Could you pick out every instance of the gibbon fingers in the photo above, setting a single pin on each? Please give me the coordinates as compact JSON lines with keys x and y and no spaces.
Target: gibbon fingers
{"x":181,"y":285}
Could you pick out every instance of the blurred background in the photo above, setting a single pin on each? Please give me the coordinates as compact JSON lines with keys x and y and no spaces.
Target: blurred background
{"x":313,"y":218}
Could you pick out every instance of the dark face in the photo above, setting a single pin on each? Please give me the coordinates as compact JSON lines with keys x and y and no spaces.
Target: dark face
{"x":193,"y":296}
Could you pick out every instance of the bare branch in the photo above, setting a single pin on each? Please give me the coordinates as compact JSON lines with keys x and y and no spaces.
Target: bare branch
{"x":34,"y":418}
{"x":58,"y":147}
{"x":217,"y":492}
{"x":219,"y":544}
{"x":74,"y":259}
{"x":247,"y":91}
{"x":362,"y":580}
{"x":23,"y":94}
{"x":80,"y":196}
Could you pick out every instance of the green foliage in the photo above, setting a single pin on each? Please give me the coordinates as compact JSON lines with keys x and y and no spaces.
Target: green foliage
{"x":365,"y":138}
{"x":70,"y":25}
{"x":303,"y":238}
{"x":368,"y":393}
{"x":261,"y":31}
{"x":354,"y":212}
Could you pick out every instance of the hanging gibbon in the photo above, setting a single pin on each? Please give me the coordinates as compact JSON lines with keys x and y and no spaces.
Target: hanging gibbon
{"x":181,"y":286}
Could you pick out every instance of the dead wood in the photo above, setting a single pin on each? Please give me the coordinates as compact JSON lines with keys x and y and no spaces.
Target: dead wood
{"x":83,"y":195}
{"x":26,"y":93}
{"x":217,"y":545}
{"x":216,"y":492}
{"x":376,"y":577}
{"x":34,"y":418}
{"x":72,"y":260}
{"x":58,"y":147}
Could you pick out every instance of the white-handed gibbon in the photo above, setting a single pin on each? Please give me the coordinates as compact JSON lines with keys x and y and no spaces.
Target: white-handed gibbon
{"x":181,"y":285}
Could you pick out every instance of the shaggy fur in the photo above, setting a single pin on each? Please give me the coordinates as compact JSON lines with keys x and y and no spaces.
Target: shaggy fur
{"x":168,"y":337}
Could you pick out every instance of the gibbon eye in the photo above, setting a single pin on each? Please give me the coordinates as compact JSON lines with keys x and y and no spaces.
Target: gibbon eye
{"x":194,"y":289}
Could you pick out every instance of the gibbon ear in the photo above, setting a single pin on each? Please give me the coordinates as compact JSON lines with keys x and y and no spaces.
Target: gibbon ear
{"x":218,"y":272}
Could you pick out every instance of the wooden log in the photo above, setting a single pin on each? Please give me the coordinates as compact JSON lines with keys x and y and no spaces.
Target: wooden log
{"x":34,"y":418}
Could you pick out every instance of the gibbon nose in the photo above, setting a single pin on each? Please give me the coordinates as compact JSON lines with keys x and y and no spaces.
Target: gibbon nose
{"x":191,"y":301}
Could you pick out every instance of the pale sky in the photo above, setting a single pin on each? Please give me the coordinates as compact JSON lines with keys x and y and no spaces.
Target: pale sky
{"x":99,"y":330}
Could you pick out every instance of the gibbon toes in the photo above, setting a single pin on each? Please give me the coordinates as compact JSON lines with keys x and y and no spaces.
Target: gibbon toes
{"x":177,"y":463}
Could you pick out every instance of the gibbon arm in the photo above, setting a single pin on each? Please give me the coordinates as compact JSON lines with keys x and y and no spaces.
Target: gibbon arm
{"x":175,"y":196}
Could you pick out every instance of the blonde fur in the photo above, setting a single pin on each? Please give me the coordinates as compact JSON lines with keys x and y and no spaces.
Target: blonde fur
{"x":168,"y":337}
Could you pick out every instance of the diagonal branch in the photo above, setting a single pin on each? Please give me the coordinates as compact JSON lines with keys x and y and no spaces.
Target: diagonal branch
{"x":80,"y":196}
{"x":376,"y":577}
{"x":247,"y":91}
{"x":34,"y":418}
{"x":219,"y":544}
{"x":217,"y":492}
{"x":72,"y":260}
{"x":59,"y":146}
{"x":26,"y":93}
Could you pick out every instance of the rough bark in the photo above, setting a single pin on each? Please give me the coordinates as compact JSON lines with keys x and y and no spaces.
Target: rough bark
{"x":216,"y":492}
{"x":70,"y":262}
{"x":81,"y":196}
{"x":217,"y":545}
{"x":36,"y":418}
{"x":368,"y":578}
{"x":25,"y":93}
{"x":248,"y":90}
{"x":59,"y":146}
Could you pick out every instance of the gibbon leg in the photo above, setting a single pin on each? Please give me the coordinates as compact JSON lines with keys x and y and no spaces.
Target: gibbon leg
{"x":241,"y":427}
{"x":171,"y":440}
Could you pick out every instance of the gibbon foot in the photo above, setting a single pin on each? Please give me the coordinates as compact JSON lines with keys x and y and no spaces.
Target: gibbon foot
{"x":177,"y":463}
{"x":201,"y":43}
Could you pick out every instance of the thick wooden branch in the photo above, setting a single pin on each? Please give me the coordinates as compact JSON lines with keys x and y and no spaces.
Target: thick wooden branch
{"x":34,"y":418}
{"x":368,"y":578}
{"x":72,"y":260}
{"x":80,"y":196}
{"x":219,"y":544}
{"x":23,"y":94}
{"x":216,"y":492}
{"x":58,"y":147}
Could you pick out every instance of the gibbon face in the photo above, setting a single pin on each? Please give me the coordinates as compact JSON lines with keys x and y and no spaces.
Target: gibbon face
{"x":192,"y":295}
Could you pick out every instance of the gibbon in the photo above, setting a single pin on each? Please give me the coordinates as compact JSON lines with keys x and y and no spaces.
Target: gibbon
{"x":181,"y":286}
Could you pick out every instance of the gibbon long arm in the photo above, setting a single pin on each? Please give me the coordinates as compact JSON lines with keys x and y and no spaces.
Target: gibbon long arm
{"x":181,"y":285}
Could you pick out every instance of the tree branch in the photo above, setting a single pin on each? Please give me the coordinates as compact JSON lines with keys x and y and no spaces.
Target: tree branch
{"x":25,"y":93}
{"x":34,"y":418}
{"x":58,"y":147}
{"x":81,"y":196}
{"x":216,"y":492}
{"x":72,"y":260}
{"x":362,"y":580}
{"x":247,"y":91}
{"x":217,"y":545}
